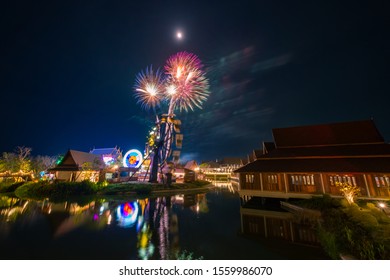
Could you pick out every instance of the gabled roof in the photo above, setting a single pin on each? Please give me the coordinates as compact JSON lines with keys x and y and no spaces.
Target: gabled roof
{"x":191,"y":164}
{"x":74,"y":160}
{"x":357,"y":132}
{"x":81,"y":157}
{"x":230,"y":160}
{"x":105,"y":151}
{"x":257,"y":153}
{"x":268,"y":147}
{"x":341,"y":147}
{"x":211,"y":164}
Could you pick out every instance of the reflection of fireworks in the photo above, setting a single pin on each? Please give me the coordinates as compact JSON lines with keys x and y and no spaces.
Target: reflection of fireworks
{"x":149,"y":87}
{"x":187,"y":86}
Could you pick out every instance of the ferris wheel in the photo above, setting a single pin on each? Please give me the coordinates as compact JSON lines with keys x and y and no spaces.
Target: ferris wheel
{"x":163,"y":146}
{"x":183,"y":87}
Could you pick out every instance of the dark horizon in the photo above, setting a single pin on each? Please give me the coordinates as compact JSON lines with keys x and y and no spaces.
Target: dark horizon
{"x":68,"y":70}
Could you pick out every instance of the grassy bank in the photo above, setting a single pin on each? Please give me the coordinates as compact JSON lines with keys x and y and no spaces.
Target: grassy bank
{"x":41,"y":190}
{"x":65,"y":190}
{"x":358,"y":230}
{"x":147,"y":188}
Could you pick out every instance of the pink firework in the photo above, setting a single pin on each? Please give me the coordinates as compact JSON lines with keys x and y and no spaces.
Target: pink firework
{"x":186,"y":86}
{"x":149,"y":88}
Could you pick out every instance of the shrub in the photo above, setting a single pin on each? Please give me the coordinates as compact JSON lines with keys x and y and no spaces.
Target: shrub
{"x":328,"y":242}
{"x":57,"y":190}
{"x":360,"y":231}
{"x":10,"y":187}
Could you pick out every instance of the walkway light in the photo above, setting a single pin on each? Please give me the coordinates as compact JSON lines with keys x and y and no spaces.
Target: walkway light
{"x":382,"y":205}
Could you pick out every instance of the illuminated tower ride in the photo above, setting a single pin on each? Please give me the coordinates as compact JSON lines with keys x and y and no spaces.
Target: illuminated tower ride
{"x":183,"y":86}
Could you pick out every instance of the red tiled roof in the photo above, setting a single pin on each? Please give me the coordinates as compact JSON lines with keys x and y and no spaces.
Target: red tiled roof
{"x":357,"y":132}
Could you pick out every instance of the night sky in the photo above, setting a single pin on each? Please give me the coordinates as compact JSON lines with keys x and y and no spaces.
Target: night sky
{"x":67,"y":70}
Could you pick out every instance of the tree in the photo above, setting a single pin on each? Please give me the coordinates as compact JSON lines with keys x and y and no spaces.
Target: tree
{"x":42,"y":163}
{"x":9,"y":163}
{"x":23,"y":154}
{"x":17,"y":165}
{"x":349,"y":191}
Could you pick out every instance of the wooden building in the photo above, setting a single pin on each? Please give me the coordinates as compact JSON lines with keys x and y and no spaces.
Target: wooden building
{"x":311,"y":160}
{"x":78,"y":166}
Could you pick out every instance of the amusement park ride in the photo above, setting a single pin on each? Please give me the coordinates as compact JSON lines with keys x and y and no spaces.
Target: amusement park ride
{"x":183,"y":86}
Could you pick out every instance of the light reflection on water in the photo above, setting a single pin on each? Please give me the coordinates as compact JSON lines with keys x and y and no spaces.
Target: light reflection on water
{"x":206,"y":225}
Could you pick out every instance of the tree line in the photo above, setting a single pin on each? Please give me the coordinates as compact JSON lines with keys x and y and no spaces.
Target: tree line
{"x":21,"y":161}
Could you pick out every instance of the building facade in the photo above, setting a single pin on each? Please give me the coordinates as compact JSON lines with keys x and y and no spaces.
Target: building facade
{"x":78,"y":166}
{"x":313,"y":160}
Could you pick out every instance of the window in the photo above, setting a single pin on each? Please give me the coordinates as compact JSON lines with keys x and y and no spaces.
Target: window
{"x":249,"y":178}
{"x":306,"y":180}
{"x":382,"y":181}
{"x":345,"y":179}
{"x":272,"y":179}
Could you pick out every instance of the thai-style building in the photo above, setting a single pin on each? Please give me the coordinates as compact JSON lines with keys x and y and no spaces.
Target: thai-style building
{"x":78,"y":166}
{"x":312,"y":160}
{"x":109,"y":156}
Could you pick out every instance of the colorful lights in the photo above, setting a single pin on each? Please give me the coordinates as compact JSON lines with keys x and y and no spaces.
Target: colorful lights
{"x":187,"y":84}
{"x":127,"y":214}
{"x":184,"y":85}
{"x":108,"y":160}
{"x":133,"y":158}
{"x":59,"y":159}
{"x":149,"y":87}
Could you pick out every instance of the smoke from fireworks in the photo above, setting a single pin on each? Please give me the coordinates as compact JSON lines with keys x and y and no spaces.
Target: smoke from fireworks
{"x":149,"y":88}
{"x":186,"y":85}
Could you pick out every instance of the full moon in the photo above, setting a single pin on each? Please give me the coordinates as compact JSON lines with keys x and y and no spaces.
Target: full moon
{"x":179,"y":35}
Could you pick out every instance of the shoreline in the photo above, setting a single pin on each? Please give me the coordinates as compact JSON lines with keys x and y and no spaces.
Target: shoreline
{"x":68,"y":191}
{"x":162,"y":191}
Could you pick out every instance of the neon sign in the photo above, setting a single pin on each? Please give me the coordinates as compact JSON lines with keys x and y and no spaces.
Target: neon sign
{"x":108,"y":160}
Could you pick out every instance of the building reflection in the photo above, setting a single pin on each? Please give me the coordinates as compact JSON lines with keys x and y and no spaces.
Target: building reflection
{"x":231,"y":186}
{"x":154,"y":220}
{"x":271,"y":222}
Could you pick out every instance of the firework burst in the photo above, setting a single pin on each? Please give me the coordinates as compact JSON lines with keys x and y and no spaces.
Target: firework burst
{"x":149,"y":88}
{"x":186,"y":86}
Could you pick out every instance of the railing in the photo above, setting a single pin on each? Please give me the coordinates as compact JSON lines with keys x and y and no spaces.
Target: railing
{"x":300,"y":211}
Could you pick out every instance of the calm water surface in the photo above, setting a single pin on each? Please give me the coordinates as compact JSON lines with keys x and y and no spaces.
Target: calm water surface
{"x":211,"y":225}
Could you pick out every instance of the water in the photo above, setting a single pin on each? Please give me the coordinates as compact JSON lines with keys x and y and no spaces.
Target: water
{"x":209,"y":225}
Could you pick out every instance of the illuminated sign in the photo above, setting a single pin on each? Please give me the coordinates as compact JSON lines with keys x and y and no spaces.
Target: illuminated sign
{"x":108,"y":160}
{"x":132,"y":158}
